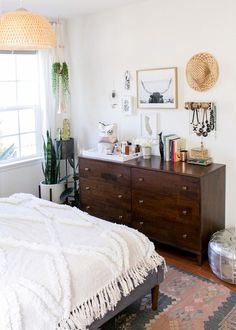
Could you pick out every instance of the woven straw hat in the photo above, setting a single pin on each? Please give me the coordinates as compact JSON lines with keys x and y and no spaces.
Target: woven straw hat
{"x":202,"y":72}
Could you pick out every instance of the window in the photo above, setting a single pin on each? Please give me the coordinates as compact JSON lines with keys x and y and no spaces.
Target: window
{"x":19,"y":106}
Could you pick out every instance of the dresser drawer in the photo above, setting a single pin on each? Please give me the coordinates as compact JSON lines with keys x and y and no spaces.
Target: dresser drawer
{"x":105,"y":172}
{"x":113,"y":195}
{"x":166,"y":184}
{"x":103,"y":210}
{"x":181,"y":236}
{"x":152,"y":208}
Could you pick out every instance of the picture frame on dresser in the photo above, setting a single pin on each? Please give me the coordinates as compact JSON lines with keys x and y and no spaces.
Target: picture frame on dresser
{"x":157,"y":88}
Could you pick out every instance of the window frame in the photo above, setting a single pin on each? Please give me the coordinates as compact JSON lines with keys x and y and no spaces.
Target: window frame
{"x":38,"y":117}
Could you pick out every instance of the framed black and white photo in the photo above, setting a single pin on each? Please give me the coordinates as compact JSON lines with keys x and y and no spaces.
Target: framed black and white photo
{"x":157,"y":88}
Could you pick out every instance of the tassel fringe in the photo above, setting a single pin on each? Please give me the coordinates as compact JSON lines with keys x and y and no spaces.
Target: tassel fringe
{"x":107,"y":298}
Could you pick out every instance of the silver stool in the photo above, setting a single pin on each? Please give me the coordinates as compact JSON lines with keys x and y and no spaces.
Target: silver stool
{"x":222,"y":254}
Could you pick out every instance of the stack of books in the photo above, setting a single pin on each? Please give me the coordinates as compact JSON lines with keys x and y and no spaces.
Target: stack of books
{"x":173,"y":144}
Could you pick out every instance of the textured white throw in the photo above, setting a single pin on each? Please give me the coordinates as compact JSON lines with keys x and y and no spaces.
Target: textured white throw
{"x":58,"y":264}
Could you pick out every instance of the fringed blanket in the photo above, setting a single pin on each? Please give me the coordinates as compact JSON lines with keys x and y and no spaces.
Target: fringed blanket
{"x":61,"y":268}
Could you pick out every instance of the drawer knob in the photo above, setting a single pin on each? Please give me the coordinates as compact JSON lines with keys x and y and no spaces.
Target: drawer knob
{"x":120,"y":196}
{"x":185,"y":236}
{"x":184,"y":188}
{"x":184,"y":212}
{"x":141,"y":223}
{"x":87,"y":188}
{"x":87,"y":169}
{"x":140,"y":201}
{"x":120,"y":175}
{"x":140,"y":179}
{"x":120,"y":217}
{"x":88,"y":207}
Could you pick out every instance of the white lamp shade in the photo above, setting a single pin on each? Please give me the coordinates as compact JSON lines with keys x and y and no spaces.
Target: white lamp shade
{"x":24,"y":30}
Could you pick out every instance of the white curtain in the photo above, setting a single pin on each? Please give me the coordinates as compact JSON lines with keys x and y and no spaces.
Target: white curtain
{"x":52,"y":119}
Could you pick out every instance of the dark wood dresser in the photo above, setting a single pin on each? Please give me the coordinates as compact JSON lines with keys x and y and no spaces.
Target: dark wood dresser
{"x":174,"y":203}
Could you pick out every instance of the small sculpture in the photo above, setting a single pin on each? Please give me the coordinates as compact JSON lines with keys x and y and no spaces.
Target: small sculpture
{"x":66,"y":130}
{"x":161,"y":146}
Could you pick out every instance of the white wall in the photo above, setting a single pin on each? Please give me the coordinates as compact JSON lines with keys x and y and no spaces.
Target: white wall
{"x":153,"y":34}
{"x":22,"y":178}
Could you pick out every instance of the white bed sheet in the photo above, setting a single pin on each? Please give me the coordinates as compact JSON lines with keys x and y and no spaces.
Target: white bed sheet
{"x":55,"y":259}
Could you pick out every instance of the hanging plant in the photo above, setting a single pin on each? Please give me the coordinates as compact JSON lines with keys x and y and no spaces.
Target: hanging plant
{"x":60,"y":75}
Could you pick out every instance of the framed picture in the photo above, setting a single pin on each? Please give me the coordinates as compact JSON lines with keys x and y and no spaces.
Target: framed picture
{"x":127,"y":105}
{"x":148,"y":121}
{"x":157,"y":88}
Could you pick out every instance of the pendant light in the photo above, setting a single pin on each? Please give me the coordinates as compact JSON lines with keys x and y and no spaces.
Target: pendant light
{"x":25,"y":30}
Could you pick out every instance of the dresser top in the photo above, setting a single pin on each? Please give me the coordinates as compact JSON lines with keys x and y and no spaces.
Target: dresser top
{"x":181,"y":168}
{"x":155,"y":164}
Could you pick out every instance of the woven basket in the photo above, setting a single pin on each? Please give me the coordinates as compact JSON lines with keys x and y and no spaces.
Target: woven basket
{"x":202,"y":72}
{"x":24,"y":30}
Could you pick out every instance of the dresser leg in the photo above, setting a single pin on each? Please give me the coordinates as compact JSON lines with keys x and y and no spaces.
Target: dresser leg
{"x":155,"y":292}
{"x":199,"y":259}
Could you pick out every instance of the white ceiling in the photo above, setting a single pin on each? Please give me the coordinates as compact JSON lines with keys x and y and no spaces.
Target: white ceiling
{"x":63,"y":8}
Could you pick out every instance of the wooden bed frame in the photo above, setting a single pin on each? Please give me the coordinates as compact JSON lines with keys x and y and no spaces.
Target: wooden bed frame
{"x":151,"y":284}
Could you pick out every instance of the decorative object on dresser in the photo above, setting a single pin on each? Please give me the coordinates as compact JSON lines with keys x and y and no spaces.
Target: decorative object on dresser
{"x":173,"y":144}
{"x":172,"y":202}
{"x":157,"y":88}
{"x":161,"y":146}
{"x":107,"y":137}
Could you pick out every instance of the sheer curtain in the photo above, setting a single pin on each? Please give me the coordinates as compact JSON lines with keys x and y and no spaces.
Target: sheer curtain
{"x":54,"y":109}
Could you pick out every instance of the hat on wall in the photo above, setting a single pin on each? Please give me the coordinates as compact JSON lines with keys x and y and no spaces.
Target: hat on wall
{"x":202,"y":71}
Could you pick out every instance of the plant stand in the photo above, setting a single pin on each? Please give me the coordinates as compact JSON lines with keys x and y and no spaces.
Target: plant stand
{"x":71,"y":194}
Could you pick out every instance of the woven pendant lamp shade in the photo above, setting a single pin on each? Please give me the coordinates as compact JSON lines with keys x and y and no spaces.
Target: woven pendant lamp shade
{"x":24,"y":30}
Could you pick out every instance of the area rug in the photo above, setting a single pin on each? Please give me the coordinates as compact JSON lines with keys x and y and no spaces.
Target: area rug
{"x":186,"y":302}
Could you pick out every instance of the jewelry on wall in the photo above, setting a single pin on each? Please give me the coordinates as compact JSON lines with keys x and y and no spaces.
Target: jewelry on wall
{"x":203,"y":117}
{"x":127,"y":80}
{"x":114,"y":99}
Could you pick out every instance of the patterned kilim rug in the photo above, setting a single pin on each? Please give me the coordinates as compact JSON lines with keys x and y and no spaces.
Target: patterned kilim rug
{"x":186,"y":302}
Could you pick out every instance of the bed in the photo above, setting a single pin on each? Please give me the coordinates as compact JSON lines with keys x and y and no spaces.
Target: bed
{"x":61,"y":268}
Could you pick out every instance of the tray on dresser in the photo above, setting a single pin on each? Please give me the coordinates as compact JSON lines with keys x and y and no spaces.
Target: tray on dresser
{"x":93,"y":153}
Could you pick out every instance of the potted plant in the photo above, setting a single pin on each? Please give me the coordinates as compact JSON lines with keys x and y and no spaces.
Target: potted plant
{"x":60,"y":84}
{"x":52,"y":186}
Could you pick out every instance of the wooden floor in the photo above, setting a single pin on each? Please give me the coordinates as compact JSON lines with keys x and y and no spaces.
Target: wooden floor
{"x":188,"y":262}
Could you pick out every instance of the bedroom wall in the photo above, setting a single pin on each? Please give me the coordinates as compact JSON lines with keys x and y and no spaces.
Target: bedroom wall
{"x":153,"y":34}
{"x":20,"y":178}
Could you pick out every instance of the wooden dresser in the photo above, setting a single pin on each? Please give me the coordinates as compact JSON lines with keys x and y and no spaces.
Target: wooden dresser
{"x":174,"y":203}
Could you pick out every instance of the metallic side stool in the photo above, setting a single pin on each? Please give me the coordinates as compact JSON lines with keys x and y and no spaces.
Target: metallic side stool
{"x":222,"y":254}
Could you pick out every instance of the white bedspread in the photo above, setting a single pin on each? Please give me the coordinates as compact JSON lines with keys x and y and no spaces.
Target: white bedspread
{"x":55,"y":259}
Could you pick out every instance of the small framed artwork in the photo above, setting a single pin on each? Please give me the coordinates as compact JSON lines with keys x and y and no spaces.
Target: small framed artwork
{"x":148,"y":121}
{"x":157,"y":88}
{"x":127,"y":105}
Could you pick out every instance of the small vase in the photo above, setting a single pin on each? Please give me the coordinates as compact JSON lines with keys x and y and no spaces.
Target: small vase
{"x":161,"y":146}
{"x":146,"y":152}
